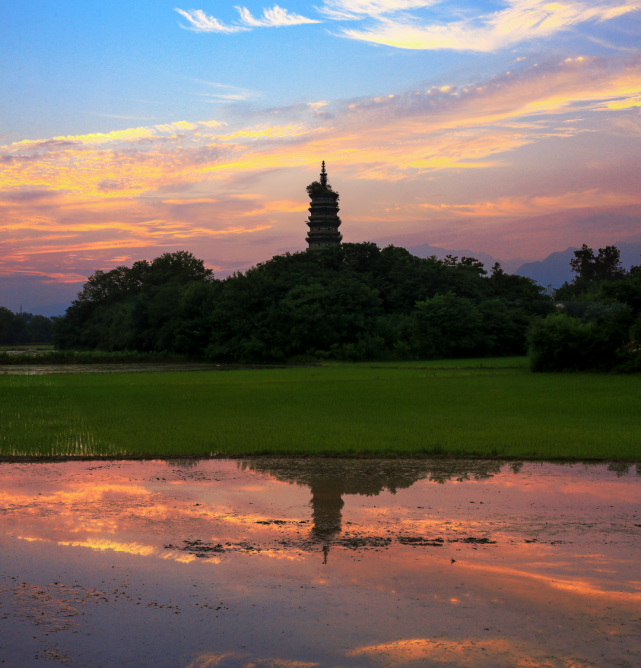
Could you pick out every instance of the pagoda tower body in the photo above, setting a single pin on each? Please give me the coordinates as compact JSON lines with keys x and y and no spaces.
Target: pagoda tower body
{"x":323,"y":218}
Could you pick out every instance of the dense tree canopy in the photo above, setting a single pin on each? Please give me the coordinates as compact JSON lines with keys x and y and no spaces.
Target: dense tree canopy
{"x":350,"y":301}
{"x":598,"y":322}
{"x":591,"y":271}
{"x":23,"y":328}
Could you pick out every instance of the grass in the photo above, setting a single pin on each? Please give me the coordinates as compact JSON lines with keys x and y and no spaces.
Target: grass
{"x":453,"y":408}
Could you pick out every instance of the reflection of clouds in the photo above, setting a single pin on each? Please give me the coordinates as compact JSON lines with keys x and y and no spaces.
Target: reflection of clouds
{"x":212,"y":660}
{"x":134,"y":548}
{"x":128,"y":515}
{"x":529,"y":594}
{"x":577,"y":585}
{"x":476,"y":652}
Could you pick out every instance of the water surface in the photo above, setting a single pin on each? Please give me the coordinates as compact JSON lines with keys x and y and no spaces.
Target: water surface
{"x":275,"y":562}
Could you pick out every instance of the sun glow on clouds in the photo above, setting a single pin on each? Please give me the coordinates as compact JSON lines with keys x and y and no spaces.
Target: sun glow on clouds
{"x":520,"y":21}
{"x":531,"y":205}
{"x":175,"y":184}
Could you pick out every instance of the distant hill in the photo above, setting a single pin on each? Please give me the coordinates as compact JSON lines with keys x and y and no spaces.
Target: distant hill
{"x":50,"y":310}
{"x":555,"y":269}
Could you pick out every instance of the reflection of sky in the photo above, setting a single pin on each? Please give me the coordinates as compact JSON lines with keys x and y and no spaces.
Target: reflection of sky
{"x":564,"y":557}
{"x":505,"y":127}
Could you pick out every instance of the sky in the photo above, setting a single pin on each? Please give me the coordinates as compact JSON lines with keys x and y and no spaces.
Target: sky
{"x":130,"y":129}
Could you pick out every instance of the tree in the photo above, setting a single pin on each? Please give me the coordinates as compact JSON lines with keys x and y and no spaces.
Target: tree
{"x":348,"y":301}
{"x":606,"y":266}
{"x":449,"y":325}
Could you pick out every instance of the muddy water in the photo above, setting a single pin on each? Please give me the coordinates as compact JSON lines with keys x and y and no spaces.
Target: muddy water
{"x":320,"y":563}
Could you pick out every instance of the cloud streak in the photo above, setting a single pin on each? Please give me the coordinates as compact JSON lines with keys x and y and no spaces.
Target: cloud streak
{"x":520,"y":21}
{"x":200,"y":22}
{"x":345,"y":10}
{"x":395,"y":22}
{"x":274,"y":17}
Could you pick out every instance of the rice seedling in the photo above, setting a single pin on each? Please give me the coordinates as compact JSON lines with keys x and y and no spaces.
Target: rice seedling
{"x":452,"y":408}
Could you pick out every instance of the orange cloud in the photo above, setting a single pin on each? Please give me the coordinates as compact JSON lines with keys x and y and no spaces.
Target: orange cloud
{"x":162,"y":186}
{"x":532,"y":205}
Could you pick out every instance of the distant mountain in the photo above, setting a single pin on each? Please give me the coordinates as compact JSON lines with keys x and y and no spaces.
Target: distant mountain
{"x":555,"y":269}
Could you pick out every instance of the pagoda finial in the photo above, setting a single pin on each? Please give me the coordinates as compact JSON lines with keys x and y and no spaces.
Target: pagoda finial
{"x":323,"y":176}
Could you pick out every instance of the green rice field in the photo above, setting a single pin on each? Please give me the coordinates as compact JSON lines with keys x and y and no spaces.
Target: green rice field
{"x":479,"y":408}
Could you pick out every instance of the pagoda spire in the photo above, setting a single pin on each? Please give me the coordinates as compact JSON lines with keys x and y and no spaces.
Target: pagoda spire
{"x":323,"y":176}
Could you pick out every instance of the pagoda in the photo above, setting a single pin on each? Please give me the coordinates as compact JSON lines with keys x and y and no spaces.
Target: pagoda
{"x":323,"y":218}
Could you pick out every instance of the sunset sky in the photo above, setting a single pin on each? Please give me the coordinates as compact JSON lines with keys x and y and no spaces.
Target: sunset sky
{"x":129,"y":129}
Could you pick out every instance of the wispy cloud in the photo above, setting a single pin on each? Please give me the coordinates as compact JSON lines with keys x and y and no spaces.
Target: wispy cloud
{"x":273,"y":18}
{"x":520,"y":21}
{"x":345,"y":10}
{"x":126,"y":118}
{"x":226,"y":92}
{"x":395,"y":23}
{"x":200,"y":22}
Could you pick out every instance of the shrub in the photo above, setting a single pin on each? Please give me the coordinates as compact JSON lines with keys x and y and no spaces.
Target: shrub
{"x":563,"y":343}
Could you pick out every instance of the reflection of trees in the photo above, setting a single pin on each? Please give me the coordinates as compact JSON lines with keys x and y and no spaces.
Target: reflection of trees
{"x":330,"y":479}
{"x":186,"y":463}
{"x":620,"y":468}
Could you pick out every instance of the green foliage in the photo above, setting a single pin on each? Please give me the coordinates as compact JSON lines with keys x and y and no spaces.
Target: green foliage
{"x":16,"y":328}
{"x":473,"y":408}
{"x":606,"y":266}
{"x":346,"y":302}
{"x":134,"y":308}
{"x":625,"y":292}
{"x":597,"y":330}
{"x":317,"y":188}
{"x":450,"y":326}
{"x":564,"y":343}
{"x":591,"y":271}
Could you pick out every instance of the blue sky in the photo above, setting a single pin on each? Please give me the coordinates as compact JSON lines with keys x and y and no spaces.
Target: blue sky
{"x":79,"y":67}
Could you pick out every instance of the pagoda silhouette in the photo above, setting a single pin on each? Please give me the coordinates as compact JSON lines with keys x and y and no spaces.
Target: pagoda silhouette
{"x":323,"y":218}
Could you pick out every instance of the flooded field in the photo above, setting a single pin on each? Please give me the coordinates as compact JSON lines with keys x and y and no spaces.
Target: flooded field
{"x":276,"y":562}
{"x":116,"y":367}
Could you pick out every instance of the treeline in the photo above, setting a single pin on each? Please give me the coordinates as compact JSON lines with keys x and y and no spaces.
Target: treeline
{"x":19,"y":328}
{"x":597,"y":321}
{"x":346,"y":302}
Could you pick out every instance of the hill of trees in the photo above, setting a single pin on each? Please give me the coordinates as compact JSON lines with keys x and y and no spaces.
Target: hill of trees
{"x":347,"y":302}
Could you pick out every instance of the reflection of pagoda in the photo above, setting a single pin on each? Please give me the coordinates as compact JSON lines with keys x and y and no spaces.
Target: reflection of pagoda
{"x":329,"y":480}
{"x":323,"y":214}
